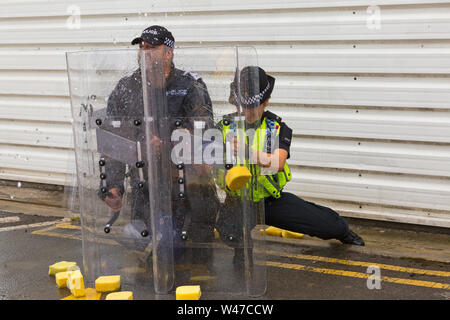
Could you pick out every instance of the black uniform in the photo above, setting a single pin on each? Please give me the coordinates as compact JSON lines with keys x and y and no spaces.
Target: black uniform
{"x":187,"y":97}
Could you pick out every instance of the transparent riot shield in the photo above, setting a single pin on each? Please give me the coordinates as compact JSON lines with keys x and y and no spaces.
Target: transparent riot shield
{"x":205,"y":198}
{"x":109,"y":137}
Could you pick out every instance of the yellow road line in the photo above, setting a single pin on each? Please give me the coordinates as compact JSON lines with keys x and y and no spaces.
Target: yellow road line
{"x":48,"y":232}
{"x":430,"y":284}
{"x":58,"y":235}
{"x":29,"y":226}
{"x":68,"y":225}
{"x":43,"y":231}
{"x":361,"y":264}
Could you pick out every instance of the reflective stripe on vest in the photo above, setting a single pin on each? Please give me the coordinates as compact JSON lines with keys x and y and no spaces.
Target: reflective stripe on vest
{"x":272,"y":184}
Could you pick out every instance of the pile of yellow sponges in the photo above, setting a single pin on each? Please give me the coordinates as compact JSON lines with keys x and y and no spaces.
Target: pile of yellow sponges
{"x":67,"y":274}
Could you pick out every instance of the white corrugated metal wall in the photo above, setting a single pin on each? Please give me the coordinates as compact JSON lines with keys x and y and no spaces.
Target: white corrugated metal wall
{"x":364,"y":84}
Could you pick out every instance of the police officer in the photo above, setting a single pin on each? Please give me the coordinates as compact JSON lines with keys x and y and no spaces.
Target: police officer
{"x":282,"y":209}
{"x":187,"y":97}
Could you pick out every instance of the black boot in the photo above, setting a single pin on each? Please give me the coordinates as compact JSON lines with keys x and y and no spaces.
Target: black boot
{"x":352,"y":238}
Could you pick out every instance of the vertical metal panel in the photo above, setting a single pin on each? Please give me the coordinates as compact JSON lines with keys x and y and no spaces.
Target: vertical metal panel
{"x":365,"y":88}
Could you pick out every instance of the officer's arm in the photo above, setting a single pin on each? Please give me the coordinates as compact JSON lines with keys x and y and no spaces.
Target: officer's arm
{"x":275,"y":161}
{"x":114,"y":100}
{"x":198,"y":106}
{"x":198,"y":103}
{"x":114,"y":169}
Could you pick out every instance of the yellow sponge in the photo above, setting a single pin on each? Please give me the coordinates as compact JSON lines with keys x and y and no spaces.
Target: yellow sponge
{"x":188,"y":293}
{"x":90,"y":294}
{"x":75,"y":283}
{"x":107,"y":283}
{"x":272,"y":231}
{"x":60,"y":267}
{"x":237,"y":177}
{"x":61,"y":278}
{"x":122,"y":295}
{"x":289,"y":234}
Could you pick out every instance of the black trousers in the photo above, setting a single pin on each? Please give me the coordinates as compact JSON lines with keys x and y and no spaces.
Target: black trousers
{"x":290,"y":212}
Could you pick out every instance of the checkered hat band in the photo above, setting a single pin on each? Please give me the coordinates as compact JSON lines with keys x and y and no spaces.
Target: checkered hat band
{"x":255,"y":98}
{"x":169,"y":42}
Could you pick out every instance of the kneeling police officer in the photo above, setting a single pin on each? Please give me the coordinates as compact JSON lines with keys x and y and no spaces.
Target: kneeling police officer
{"x":282,"y":209}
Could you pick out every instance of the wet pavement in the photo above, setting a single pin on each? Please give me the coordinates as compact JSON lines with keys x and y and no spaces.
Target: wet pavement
{"x":395,"y":264}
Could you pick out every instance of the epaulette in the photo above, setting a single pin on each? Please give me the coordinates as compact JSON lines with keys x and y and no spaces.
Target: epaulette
{"x":229,"y":117}
{"x":193,"y":75}
{"x":272,"y":116}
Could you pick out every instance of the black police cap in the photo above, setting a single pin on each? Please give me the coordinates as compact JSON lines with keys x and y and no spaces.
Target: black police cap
{"x":156,"y":35}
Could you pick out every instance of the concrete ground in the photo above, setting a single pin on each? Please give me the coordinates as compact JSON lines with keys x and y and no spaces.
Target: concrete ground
{"x":399,"y":262}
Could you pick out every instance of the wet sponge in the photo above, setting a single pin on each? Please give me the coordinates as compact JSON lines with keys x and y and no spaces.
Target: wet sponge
{"x":272,"y":231}
{"x":188,"y":293}
{"x":61,"y":279}
{"x":237,"y":177}
{"x":75,"y":283}
{"x":122,"y":295}
{"x":60,"y":267}
{"x":107,"y":283}
{"x":289,"y":234}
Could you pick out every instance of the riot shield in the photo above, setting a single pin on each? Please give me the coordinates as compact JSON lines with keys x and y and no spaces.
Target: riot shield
{"x":109,"y":137}
{"x":205,"y":231}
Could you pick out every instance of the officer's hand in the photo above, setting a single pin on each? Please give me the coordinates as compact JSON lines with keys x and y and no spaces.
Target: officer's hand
{"x":114,"y":200}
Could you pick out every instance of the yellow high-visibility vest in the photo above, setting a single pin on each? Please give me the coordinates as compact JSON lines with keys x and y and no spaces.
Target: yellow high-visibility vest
{"x":259,"y":186}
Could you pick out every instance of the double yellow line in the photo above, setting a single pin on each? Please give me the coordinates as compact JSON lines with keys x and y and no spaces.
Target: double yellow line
{"x":345,"y":273}
{"x":49,"y":232}
{"x":65,"y":225}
